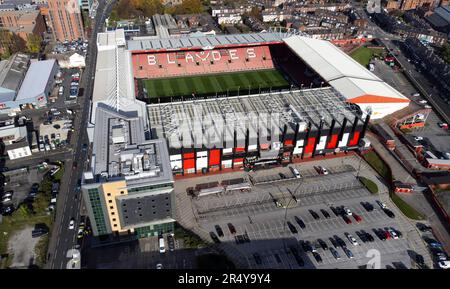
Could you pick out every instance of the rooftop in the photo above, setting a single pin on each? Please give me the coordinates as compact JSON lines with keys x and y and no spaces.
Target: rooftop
{"x":123,"y":151}
{"x":222,"y":115}
{"x":36,"y":80}
{"x":12,"y":71}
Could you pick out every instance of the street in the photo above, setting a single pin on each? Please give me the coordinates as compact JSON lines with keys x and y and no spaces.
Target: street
{"x":69,"y":204}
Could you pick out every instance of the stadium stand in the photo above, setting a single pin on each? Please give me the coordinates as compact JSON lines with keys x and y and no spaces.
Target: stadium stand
{"x":170,"y":64}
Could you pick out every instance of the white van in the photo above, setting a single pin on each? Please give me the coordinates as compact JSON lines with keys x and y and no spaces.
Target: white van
{"x":162,"y":247}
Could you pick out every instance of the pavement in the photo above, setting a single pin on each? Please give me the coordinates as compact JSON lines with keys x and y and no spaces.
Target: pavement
{"x":69,"y":203}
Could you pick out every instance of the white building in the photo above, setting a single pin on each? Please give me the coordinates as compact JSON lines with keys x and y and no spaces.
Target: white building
{"x":73,"y":61}
{"x":18,"y":150}
{"x":229,"y":18}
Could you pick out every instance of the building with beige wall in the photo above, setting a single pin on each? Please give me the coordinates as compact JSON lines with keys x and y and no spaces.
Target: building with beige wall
{"x":65,"y":19}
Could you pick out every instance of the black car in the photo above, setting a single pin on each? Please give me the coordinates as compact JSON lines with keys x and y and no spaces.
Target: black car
{"x":231,"y":228}
{"x":322,"y":244}
{"x":257,"y":258}
{"x":292,"y":228}
{"x":380,"y":234}
{"x":306,"y":246}
{"x":300,"y":222}
{"x":369,"y":237}
{"x":314,"y":215}
{"x":283,"y":176}
{"x":239,"y":239}
{"x":325,"y":213}
{"x":340,"y":242}
{"x":246,"y":238}
{"x":171,"y":242}
{"x":317,"y":257}
{"x":335,"y":211}
{"x":333,"y":242}
{"x":219,"y":230}
{"x":362,"y":236}
{"x":7,"y":210}
{"x":214,"y":237}
{"x":389,"y":213}
{"x":419,"y":260}
{"x":423,"y":227}
{"x":368,"y":206}
{"x":38,"y":232}
{"x":297,"y":257}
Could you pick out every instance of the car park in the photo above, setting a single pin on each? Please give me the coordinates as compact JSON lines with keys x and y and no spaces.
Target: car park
{"x":219,"y":230}
{"x":300,"y":222}
{"x":325,"y":213}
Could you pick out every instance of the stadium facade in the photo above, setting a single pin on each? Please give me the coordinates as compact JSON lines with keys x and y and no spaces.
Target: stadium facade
{"x":140,"y":136}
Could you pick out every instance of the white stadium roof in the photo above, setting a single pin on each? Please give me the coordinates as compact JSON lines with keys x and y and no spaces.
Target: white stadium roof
{"x":326,"y":59}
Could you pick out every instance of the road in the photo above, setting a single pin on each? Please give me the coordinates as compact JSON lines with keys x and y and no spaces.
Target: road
{"x":69,"y":203}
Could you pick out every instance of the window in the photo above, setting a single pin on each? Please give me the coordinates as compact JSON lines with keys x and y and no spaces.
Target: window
{"x":113,"y":213}
{"x":111,"y":207}
{"x":110,"y":201}
{"x":114,"y":219}
{"x":122,"y":192}
{"x":115,"y":225}
{"x":108,"y":194}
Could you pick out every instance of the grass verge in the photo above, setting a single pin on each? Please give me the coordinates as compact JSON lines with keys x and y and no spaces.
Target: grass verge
{"x":190,"y":239}
{"x":407,"y":210}
{"x":369,"y":184}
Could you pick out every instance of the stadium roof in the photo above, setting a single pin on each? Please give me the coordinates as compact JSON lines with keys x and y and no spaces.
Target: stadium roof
{"x":367,"y":91}
{"x":36,"y":80}
{"x":203,"y":41}
{"x":326,"y":59}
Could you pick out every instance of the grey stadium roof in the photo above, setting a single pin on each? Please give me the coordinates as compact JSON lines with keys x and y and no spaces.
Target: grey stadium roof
{"x":199,"y":42}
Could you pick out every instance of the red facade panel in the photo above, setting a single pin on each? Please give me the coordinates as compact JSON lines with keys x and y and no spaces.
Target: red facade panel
{"x":288,"y":142}
{"x":188,"y":164}
{"x":240,"y":149}
{"x":354,"y":140}
{"x":310,"y":146}
{"x":239,"y":160}
{"x":214,"y":157}
{"x":333,"y":142}
{"x":188,"y":155}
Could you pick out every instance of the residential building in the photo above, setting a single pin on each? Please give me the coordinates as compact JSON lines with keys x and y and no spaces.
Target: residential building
{"x":65,"y":20}
{"x":23,"y":22}
{"x":414,"y":4}
{"x":129,"y":188}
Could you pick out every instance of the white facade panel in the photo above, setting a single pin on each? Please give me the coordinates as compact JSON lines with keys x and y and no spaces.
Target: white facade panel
{"x":344,"y":140}
{"x":322,"y":143}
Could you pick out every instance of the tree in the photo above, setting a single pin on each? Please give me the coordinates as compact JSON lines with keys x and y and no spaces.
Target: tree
{"x":33,"y":43}
{"x":10,"y":43}
{"x":445,"y":52}
{"x":190,"y":7}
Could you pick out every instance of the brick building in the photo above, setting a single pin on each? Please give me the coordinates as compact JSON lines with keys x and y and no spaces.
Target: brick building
{"x":65,"y":19}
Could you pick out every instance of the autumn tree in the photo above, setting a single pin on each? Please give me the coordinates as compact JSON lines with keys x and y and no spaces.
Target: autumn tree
{"x":190,"y":7}
{"x":33,"y":43}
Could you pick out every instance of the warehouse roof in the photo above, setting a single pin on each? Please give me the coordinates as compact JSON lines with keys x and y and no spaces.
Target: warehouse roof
{"x":13,"y":71}
{"x":36,"y":79}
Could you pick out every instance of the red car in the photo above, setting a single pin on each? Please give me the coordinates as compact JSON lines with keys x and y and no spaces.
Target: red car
{"x":387,"y":234}
{"x":357,"y":217}
{"x":347,"y":219}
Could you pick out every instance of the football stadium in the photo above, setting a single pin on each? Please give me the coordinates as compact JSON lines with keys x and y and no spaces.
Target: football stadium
{"x":241,"y":101}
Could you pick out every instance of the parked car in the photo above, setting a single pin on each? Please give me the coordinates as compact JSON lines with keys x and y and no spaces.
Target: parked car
{"x":322,"y":244}
{"x":352,"y":239}
{"x":317,"y":257}
{"x":219,"y":230}
{"x":292,"y":228}
{"x":347,"y":211}
{"x":444,"y":264}
{"x":389,"y":213}
{"x":72,"y":224}
{"x":347,"y":219}
{"x":231,"y":228}
{"x":335,"y":254}
{"x":171,"y":242}
{"x":325,"y":213}
{"x":392,"y":233}
{"x":296,"y":173}
{"x":357,"y":218}
{"x":424,"y":228}
{"x":335,"y":211}
{"x":322,"y":170}
{"x":368,"y":206}
{"x":348,"y":253}
{"x":381,"y":204}
{"x":300,"y":222}
{"x":314,"y":215}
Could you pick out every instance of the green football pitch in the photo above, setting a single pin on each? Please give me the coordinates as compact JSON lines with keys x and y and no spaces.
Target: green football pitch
{"x":214,"y":83}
